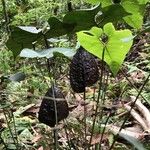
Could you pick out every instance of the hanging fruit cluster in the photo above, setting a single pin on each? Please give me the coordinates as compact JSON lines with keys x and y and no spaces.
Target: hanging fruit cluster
{"x":83,"y":71}
{"x":47,"y":108}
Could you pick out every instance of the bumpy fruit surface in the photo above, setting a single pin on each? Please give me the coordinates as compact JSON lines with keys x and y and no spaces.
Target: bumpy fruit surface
{"x":83,"y":70}
{"x":47,"y":108}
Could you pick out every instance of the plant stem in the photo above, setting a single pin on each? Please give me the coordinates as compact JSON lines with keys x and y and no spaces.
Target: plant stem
{"x":67,"y":136}
{"x":98,"y":98}
{"x":132,"y":84}
{"x":11,"y":133}
{"x":85,"y":125}
{"x":53,"y":95}
{"x":14,"y":123}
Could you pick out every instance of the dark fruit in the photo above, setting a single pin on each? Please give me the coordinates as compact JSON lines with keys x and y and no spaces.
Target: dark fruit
{"x":83,"y":70}
{"x":47,"y":108}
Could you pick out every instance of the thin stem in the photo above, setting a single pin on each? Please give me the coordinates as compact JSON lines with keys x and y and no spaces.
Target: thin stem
{"x":103,"y":99}
{"x":67,"y":135}
{"x":104,"y":128}
{"x":132,"y":84}
{"x":98,"y":98}
{"x":85,"y":125}
{"x":53,"y":95}
{"x":71,"y":132}
{"x":9,"y":128}
{"x":56,"y":118}
{"x":14,"y":123}
{"x":127,"y":115}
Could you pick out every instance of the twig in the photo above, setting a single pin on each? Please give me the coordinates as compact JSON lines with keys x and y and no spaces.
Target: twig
{"x":145,"y":112}
{"x":137,"y":117}
{"x":117,"y":135}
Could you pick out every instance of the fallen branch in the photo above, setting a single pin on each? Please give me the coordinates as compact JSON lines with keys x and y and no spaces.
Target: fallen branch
{"x":145,"y":112}
{"x":137,"y":117}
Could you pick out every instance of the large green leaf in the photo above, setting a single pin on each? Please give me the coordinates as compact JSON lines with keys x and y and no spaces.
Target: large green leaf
{"x":82,"y":19}
{"x":22,"y":37}
{"x":113,"y":13}
{"x":58,"y":28}
{"x":136,"y":19}
{"x":14,"y":46}
{"x":116,"y":48}
{"x":105,"y":3}
{"x":72,"y":22}
{"x":48,"y":53}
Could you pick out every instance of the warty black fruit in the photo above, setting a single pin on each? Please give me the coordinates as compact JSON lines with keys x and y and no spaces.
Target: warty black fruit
{"x":46,"y":113}
{"x":83,"y":71}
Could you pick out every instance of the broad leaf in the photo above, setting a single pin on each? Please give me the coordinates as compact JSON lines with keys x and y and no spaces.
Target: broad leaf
{"x":22,"y":37}
{"x":113,"y":13}
{"x":82,"y":19}
{"x":136,"y":19}
{"x":14,"y":46}
{"x":48,"y":53}
{"x":115,"y":49}
{"x":58,"y":28}
{"x":72,"y":22}
{"x":132,"y":12}
{"x":25,"y":35}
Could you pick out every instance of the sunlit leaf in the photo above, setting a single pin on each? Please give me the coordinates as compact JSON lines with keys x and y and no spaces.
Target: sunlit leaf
{"x":136,"y":19}
{"x":115,"y":49}
{"x":113,"y":13}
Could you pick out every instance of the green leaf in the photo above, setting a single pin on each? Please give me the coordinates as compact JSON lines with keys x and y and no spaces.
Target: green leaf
{"x":22,"y":37}
{"x":143,"y":1}
{"x":14,"y":46}
{"x":48,"y":53}
{"x":136,"y":19}
{"x":72,"y":22}
{"x":104,"y":3}
{"x":25,"y":35}
{"x":131,"y":11}
{"x":58,"y":28}
{"x":82,"y":19}
{"x":113,"y":13}
{"x":116,"y":48}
